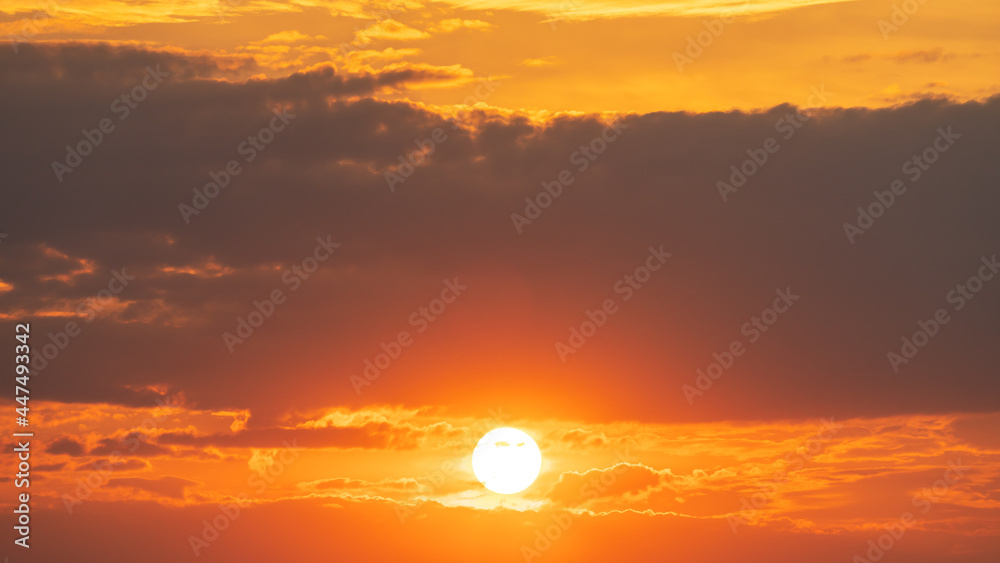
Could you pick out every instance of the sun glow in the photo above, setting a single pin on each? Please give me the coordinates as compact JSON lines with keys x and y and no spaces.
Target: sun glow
{"x":506,"y":460}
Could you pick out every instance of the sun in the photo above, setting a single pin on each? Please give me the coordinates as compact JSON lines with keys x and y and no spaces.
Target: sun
{"x":506,"y":460}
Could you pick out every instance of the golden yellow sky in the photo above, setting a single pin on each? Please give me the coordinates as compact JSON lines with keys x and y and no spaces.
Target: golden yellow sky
{"x":578,"y":55}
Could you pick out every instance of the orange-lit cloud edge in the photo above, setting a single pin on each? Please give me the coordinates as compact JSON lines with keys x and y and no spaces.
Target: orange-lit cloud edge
{"x":825,"y":473}
{"x":408,"y":471}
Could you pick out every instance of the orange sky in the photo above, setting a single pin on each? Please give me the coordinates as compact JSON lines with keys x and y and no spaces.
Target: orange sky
{"x":410,"y":469}
{"x":548,"y":163}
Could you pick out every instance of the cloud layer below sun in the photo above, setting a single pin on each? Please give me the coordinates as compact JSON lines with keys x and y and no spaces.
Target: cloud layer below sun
{"x":404,"y":472}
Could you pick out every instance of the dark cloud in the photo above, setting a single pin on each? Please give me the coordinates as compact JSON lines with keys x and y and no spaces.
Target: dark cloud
{"x":342,"y":483}
{"x":124,"y":465}
{"x":65,"y":446}
{"x":368,"y":437}
{"x":134,"y":445}
{"x":97,"y":66}
{"x":655,"y":184}
{"x":46,"y":467}
{"x":917,"y":56}
{"x":582,"y":438}
{"x":173,"y":487}
{"x":927,"y":56}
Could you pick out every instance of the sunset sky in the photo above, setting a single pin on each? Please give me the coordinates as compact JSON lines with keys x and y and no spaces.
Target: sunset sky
{"x":729,"y":264}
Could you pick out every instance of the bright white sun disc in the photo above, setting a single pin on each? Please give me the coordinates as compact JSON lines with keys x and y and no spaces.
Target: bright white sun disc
{"x":506,"y":460}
